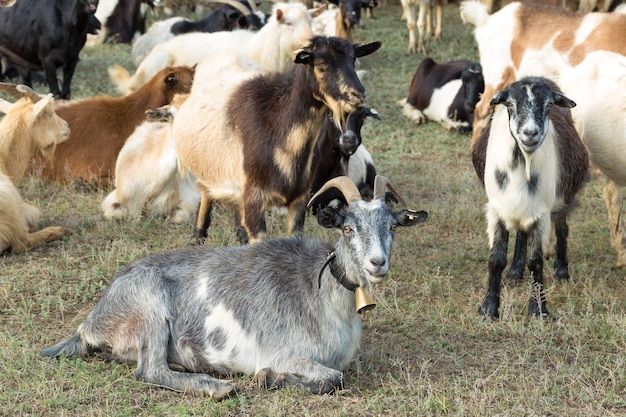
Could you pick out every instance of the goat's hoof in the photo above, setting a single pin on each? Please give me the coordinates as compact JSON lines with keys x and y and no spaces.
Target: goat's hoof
{"x":561,"y":274}
{"x":489,"y":309}
{"x":534,"y":310}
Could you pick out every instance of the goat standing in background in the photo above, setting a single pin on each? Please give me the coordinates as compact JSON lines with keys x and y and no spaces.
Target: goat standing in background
{"x":532,"y":163}
{"x":206,"y":309}
{"x":429,"y":10}
{"x":30,"y":124}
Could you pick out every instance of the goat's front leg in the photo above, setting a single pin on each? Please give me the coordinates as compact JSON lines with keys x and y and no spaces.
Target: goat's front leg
{"x":253,"y":216}
{"x":312,"y":376}
{"x":537,"y":301}
{"x":422,"y":15}
{"x":296,"y":213}
{"x":516,"y":271}
{"x":613,"y":199}
{"x":497,"y":262}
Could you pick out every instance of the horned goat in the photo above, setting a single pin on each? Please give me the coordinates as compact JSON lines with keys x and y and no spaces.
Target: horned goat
{"x":205,"y":309}
{"x":29,"y":125}
{"x":532,"y":163}
{"x":288,"y":28}
{"x":253,"y":145}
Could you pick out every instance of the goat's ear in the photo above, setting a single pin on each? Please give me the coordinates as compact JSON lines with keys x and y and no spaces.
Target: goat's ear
{"x":303,"y":56}
{"x":364,"y":49}
{"x":316,"y":12}
{"x":499,"y":97}
{"x":279,"y":15}
{"x":410,"y":218}
{"x":562,"y":101}
{"x":329,"y":217}
{"x":373,"y":113}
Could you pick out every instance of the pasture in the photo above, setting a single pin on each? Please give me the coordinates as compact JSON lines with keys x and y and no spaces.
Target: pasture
{"x":425,"y":350}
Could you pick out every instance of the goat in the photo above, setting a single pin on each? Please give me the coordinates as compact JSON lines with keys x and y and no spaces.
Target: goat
{"x":512,"y":41}
{"x":429,"y":10}
{"x":445,"y":93}
{"x":231,"y":15}
{"x":29,"y":125}
{"x":147,"y":172}
{"x":205,"y":309}
{"x":101,"y":125}
{"x":253,"y":145}
{"x":271,"y":47}
{"x":45,"y":35}
{"x":122,"y":20}
{"x":532,"y":163}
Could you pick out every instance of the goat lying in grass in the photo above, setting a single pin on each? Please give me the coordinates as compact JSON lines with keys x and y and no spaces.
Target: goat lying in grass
{"x":30,"y":124}
{"x":206,"y":309}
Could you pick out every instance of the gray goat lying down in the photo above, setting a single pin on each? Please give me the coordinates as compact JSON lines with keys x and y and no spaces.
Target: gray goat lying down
{"x":282,"y":309}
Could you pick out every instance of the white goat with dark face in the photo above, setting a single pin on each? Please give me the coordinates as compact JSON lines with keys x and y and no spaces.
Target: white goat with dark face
{"x":282,"y":309}
{"x":532,"y":164}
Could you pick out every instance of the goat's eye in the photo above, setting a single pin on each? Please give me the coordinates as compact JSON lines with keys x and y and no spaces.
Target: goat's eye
{"x":347,"y":229}
{"x":393,"y":227}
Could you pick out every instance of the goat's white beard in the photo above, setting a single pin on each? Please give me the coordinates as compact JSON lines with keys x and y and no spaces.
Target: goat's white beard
{"x":528,"y":158}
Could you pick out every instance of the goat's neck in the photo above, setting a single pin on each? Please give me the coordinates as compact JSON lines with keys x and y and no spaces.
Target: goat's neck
{"x":15,"y":149}
{"x":274,"y":59}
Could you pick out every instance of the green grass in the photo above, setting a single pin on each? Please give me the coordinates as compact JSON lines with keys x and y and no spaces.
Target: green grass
{"x":425,"y":351}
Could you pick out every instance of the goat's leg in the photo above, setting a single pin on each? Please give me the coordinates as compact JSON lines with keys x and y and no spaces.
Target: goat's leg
{"x":253,"y":216}
{"x":421,"y":22}
{"x":312,"y":376}
{"x":409,"y":13}
{"x":439,"y":17}
{"x":68,"y":73}
{"x":560,"y":260}
{"x":50,"y":69}
{"x":203,"y":217}
{"x":497,"y":263}
{"x":537,"y":301}
{"x":240,"y":231}
{"x":516,"y":271}
{"x":296,"y":213}
{"x":613,"y":199}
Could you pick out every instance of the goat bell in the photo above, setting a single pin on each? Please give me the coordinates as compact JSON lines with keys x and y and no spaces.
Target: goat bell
{"x":364,"y":301}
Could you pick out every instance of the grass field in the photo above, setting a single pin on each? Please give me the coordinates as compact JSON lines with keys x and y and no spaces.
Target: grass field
{"x":425,"y":350}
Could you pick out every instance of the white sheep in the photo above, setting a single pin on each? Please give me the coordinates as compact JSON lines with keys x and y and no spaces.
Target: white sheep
{"x":29,"y":125}
{"x":272,"y":47}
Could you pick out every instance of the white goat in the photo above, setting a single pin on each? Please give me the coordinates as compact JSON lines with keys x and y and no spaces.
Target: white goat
{"x":147,"y":173}
{"x":29,"y":124}
{"x":206,"y":309}
{"x":532,"y":163}
{"x":272,"y":47}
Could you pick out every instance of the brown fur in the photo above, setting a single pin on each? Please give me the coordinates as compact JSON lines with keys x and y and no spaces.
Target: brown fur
{"x":100,"y":126}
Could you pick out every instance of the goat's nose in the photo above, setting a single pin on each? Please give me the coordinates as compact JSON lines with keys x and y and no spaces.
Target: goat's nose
{"x":378,"y":262}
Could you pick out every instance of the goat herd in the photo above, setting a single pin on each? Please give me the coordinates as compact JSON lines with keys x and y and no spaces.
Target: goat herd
{"x":280,"y":126}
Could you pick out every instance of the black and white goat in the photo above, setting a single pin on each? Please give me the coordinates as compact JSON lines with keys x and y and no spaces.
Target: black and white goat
{"x":206,"y":309}
{"x":532,"y":163}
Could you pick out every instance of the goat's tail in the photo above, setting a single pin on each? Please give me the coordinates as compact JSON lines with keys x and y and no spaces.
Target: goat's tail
{"x":72,"y":346}
{"x":474,"y":12}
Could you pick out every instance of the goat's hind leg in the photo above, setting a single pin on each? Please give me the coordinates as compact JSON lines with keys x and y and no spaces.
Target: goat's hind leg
{"x":203,"y":217}
{"x":613,"y":199}
{"x":312,"y":376}
{"x":561,"y":271}
{"x":537,"y":301}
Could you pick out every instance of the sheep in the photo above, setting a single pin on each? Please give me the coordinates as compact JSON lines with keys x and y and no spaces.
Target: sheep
{"x":29,"y":124}
{"x":532,"y":163}
{"x":206,"y":309}
{"x":101,"y":125}
{"x":253,"y":144}
{"x":147,"y":173}
{"x":288,"y":28}
{"x":445,"y":93}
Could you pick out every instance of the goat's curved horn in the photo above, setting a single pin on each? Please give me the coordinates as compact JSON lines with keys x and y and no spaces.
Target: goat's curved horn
{"x":19,"y":91}
{"x":28,"y":92}
{"x":235,"y":5}
{"x":344,"y":184}
{"x":380,"y":188}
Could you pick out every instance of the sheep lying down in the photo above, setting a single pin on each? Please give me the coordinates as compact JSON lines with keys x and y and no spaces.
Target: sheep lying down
{"x":284,"y":310}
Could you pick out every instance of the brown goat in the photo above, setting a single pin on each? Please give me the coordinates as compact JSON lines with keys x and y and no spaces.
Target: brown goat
{"x":100,"y":126}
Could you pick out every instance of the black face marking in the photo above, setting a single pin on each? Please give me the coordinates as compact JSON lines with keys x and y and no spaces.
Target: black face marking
{"x":533,"y":183}
{"x":502,"y":179}
{"x":217,"y":339}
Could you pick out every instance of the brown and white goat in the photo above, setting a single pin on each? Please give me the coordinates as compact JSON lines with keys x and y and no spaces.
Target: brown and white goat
{"x":249,"y":140}
{"x":29,"y":125}
{"x":100,"y":126}
{"x":532,"y":164}
{"x":512,"y":42}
